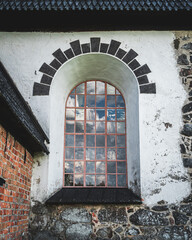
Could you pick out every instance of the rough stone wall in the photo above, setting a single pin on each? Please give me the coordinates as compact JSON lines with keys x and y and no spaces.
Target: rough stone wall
{"x":15,"y":186}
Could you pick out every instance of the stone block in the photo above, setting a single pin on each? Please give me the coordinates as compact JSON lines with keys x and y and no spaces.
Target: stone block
{"x":76,"y":215}
{"x":78,"y":231}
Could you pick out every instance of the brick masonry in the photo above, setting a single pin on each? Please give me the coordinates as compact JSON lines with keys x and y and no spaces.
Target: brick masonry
{"x":15,"y":186}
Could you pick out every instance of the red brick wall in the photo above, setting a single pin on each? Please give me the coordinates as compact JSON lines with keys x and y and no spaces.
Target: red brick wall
{"x":16,"y":170}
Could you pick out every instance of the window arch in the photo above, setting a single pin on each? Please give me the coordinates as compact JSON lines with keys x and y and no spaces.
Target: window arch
{"x":95,"y":137}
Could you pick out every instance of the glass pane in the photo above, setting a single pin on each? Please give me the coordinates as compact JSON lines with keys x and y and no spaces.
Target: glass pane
{"x":110,"y":140}
{"x":91,"y":87}
{"x":100,"y":180}
{"x":111,"y":127}
{"x":90,"y":114}
{"x":90,"y":180}
{"x":100,"y":141}
{"x":90,"y":167}
{"x":80,"y":100}
{"x":69,"y":166}
{"x":90,"y":127}
{"x":100,"y":167}
{"x":121,"y":167}
{"x":120,"y":140}
{"x":121,"y":154}
{"x":80,"y":88}
{"x":100,"y":87}
{"x":79,"y":140}
{"x":78,"y":180}
{"x":120,"y":114}
{"x":110,"y":89}
{"x":90,"y":140}
{"x":79,"y":114}
{"x":79,"y":127}
{"x":70,"y":114}
{"x":100,"y":127}
{"x":73,"y":92}
{"x":111,"y":114}
{"x":100,"y":153}
{"x":100,"y":101}
{"x":110,"y":101}
{"x":117,"y":92}
{"x":68,"y":179}
{"x":111,"y":180}
{"x":111,"y":167}
{"x":79,"y":153}
{"x":90,"y":101}
{"x":71,"y":101}
{"x":90,"y":153}
{"x":79,"y":167}
{"x":100,"y":114}
{"x":69,"y":153}
{"x":69,"y":140}
{"x":120,"y":127}
{"x":70,"y":126}
{"x":120,"y":101}
{"x":121,"y":180}
{"x":111,"y":154}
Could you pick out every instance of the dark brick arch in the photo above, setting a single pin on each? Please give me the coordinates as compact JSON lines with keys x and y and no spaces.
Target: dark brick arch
{"x":95,"y":45}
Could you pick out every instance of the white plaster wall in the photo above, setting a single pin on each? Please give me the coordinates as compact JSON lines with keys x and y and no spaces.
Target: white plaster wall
{"x":163,"y":176}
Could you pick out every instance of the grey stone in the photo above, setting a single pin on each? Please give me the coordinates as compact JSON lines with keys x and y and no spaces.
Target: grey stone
{"x":39,"y":222}
{"x":187,"y":162}
{"x":187,"y":130}
{"x":105,"y":232}
{"x":119,"y":230}
{"x":76,"y":215}
{"x":174,"y":233}
{"x":112,"y":214}
{"x":45,"y":235}
{"x":59,"y":227}
{"x":78,"y":231}
{"x":116,"y":237}
{"x":182,"y":59}
{"x":148,"y":218}
{"x":132,"y":231}
{"x":39,"y":209}
{"x":148,"y":231}
{"x":187,"y":209}
{"x":180,"y":218}
{"x":160,"y":208}
{"x":187,"y":46}
{"x":141,"y":238}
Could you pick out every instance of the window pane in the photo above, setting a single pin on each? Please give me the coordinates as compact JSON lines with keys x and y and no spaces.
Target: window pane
{"x":79,"y":153}
{"x":121,"y":154}
{"x":111,"y":114}
{"x":90,"y":180}
{"x":70,"y":114}
{"x":79,"y":140}
{"x":110,"y":140}
{"x":79,"y":114}
{"x":100,"y":87}
{"x":110,"y":89}
{"x":111,"y":167}
{"x":90,"y":114}
{"x":90,"y":153}
{"x":121,"y":167}
{"x":111,"y":180}
{"x":111,"y":127}
{"x":79,"y":167}
{"x":71,"y":101}
{"x":90,"y":167}
{"x":69,"y":153}
{"x":79,"y":127}
{"x":90,"y":140}
{"x":100,"y":180}
{"x":100,"y":141}
{"x":80,"y":101}
{"x":100,"y":127}
{"x":120,"y":127}
{"x":68,"y":179}
{"x":111,"y":154}
{"x":91,"y":87}
{"x":100,"y":153}
{"x":69,"y":140}
{"x":69,"y":167}
{"x":100,"y":114}
{"x":80,"y":88}
{"x":120,"y":101}
{"x":100,"y":167}
{"x":110,"y":101}
{"x":117,"y":92}
{"x":120,"y":114}
{"x":120,"y":140}
{"x":78,"y":180}
{"x":90,"y":101}
{"x":70,"y":126}
{"x":121,"y":180}
{"x":100,"y":101}
{"x":90,"y":127}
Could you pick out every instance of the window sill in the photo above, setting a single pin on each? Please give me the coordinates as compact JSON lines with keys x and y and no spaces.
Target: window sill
{"x":94,"y":196}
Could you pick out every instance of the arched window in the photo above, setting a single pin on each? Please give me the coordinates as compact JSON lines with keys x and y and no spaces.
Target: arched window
{"x":95,"y":137}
